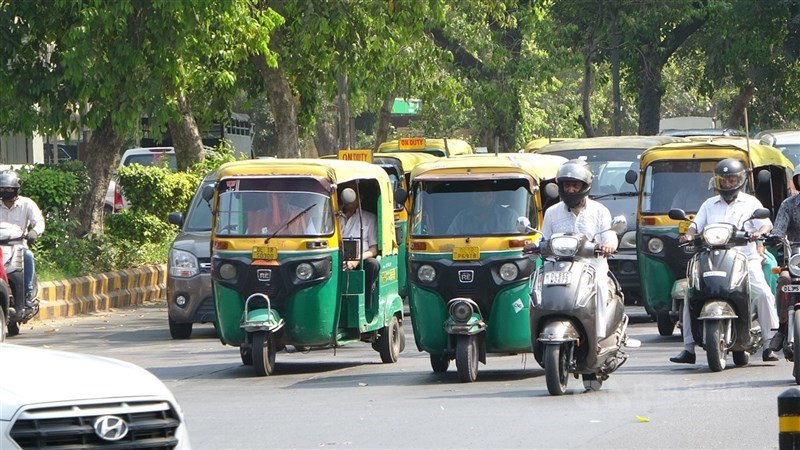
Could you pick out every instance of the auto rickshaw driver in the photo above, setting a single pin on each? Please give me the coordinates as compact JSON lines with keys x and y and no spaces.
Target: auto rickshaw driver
{"x":483,"y":216}
{"x":357,"y":223}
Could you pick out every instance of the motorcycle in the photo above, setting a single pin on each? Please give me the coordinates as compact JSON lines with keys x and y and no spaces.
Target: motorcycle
{"x":563,"y":326}
{"x":722,"y":314}
{"x":791,"y":264}
{"x":12,"y":245}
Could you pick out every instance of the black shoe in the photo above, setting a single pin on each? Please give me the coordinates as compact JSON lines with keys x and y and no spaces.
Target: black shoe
{"x":684,"y":357}
{"x":769,"y":355}
{"x":776,"y":343}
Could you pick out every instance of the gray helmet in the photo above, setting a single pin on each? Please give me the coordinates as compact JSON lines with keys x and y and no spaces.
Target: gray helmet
{"x":574,"y":170}
{"x":726,"y":169}
{"x":9,"y":180}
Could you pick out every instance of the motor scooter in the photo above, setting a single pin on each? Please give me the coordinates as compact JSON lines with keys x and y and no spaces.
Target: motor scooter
{"x":12,"y":245}
{"x":563,"y":325}
{"x":722,"y":314}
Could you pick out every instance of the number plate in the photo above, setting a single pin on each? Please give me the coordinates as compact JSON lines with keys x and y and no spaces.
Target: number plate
{"x":683,"y":225}
{"x":791,"y":288}
{"x":556,"y":278}
{"x":265,"y":252}
{"x":470,"y":253}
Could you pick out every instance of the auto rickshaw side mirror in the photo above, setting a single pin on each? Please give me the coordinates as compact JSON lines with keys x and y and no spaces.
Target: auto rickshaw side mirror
{"x":764,"y":176}
{"x":619,"y":224}
{"x":551,"y":191}
{"x":400,"y":196}
{"x":677,"y":214}
{"x":631,"y":176}
{"x":175,"y":218}
{"x":208,"y":193}
{"x":760,"y":213}
{"x":524,"y":225}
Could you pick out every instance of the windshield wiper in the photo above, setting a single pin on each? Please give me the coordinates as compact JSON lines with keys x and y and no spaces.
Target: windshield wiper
{"x":282,"y":227}
{"x":616,"y":194}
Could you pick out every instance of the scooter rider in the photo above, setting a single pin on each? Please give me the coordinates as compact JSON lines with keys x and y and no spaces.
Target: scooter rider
{"x":734,"y":207}
{"x":25,"y":213}
{"x":578,"y":213}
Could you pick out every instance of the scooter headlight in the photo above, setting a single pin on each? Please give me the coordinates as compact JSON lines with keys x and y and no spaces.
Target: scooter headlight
{"x":227,"y":271}
{"x":426,"y":273}
{"x":717,"y":235}
{"x":564,"y":245}
{"x":794,"y":265}
{"x":655,"y":245}
{"x":304,"y":271}
{"x":461,"y":311}
{"x":538,"y":281}
{"x":509,"y":272}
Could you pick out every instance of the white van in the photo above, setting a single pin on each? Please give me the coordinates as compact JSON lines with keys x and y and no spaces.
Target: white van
{"x":150,"y":156}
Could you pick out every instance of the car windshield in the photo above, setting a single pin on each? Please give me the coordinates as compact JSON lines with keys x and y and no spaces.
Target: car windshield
{"x":153,"y":159}
{"x":279,"y":207}
{"x":471,"y":208}
{"x":199,"y":216}
{"x":609,"y":166}
{"x":677,"y":184}
{"x":791,"y":151}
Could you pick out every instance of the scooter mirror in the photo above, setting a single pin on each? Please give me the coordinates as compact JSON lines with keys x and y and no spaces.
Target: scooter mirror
{"x":760,"y":213}
{"x":523,"y":224}
{"x":676,"y":214}
{"x":551,"y":191}
{"x":348,"y":196}
{"x":208,"y":193}
{"x":619,"y":224}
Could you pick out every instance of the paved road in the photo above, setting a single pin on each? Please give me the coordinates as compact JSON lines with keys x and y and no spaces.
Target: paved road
{"x":350,"y":400}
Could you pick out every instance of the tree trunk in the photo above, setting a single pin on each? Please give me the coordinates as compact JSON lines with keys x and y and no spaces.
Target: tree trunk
{"x":104,"y":148}
{"x":616,"y":43}
{"x":283,"y":107}
{"x":343,"y":107}
{"x":384,"y":120}
{"x":585,"y":120}
{"x":650,"y":94}
{"x":186,"y":136}
{"x":741,"y":102}
{"x":325,"y":138}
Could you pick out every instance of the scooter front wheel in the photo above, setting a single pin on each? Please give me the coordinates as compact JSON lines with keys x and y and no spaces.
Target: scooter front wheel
{"x":555,"y":369}
{"x":715,"y":345}
{"x":263,"y":353}
{"x":467,"y":358}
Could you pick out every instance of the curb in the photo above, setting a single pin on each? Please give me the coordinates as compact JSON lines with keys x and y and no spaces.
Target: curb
{"x":102,"y":292}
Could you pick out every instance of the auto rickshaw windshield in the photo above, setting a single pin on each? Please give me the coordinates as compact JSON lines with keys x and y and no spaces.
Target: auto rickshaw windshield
{"x":678,"y":184}
{"x":471,"y":208}
{"x":267,"y":207}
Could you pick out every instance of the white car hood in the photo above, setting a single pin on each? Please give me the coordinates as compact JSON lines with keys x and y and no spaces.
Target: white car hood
{"x":33,"y":375}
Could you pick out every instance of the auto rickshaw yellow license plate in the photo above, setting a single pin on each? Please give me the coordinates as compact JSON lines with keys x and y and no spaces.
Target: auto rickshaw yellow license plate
{"x":261,"y":252}
{"x":469,"y":253}
{"x":683,"y":225}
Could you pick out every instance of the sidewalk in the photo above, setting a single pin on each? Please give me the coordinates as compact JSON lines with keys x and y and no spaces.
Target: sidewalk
{"x":83,"y":295}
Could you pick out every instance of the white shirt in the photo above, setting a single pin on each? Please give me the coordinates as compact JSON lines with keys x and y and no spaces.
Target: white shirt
{"x":716,"y":210}
{"x":23,"y":213}
{"x":594,"y":218}
{"x":351,"y":228}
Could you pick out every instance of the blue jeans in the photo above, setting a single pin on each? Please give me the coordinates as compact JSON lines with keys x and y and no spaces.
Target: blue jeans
{"x":30,"y":270}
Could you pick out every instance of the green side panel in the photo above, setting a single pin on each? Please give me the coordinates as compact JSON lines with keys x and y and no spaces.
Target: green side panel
{"x":509,"y":328}
{"x":657,"y":281}
{"x":428,"y":313}
{"x":229,"y":309}
{"x":402,"y":263}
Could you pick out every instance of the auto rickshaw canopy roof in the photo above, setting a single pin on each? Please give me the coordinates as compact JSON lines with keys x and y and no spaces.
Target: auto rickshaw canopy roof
{"x":536,"y":144}
{"x":431,"y":146}
{"x":408,"y":160}
{"x":755,"y":154}
{"x":530,"y":165}
{"x":609,"y":143}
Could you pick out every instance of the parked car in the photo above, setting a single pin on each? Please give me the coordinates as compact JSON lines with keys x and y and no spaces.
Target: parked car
{"x":83,"y":401}
{"x":189,"y":277}
{"x":150,"y":156}
{"x":787,"y":141}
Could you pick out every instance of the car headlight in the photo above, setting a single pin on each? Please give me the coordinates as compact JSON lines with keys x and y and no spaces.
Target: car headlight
{"x":304,"y":271}
{"x":460,"y":311}
{"x":655,"y":245}
{"x":628,"y":240}
{"x":564,"y":245}
{"x":426,"y":273}
{"x":794,"y":265}
{"x":717,"y":235}
{"x":509,"y":271}
{"x":182,"y":264}
{"x":227,"y":271}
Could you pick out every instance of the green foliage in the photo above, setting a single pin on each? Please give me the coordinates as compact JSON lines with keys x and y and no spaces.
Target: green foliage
{"x":156,"y":190}
{"x":212,"y":159}
{"x":56,"y":189}
{"x":138,"y":227}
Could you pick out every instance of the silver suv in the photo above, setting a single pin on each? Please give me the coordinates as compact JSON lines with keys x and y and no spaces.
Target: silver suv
{"x":189,"y":277}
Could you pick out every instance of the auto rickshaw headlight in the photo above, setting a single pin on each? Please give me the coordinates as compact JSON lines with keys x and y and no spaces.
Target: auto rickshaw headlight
{"x":426,"y":273}
{"x":655,"y":245}
{"x":304,"y":271}
{"x":717,"y":235}
{"x":461,"y":311}
{"x":509,"y":271}
{"x":227,"y":271}
{"x":794,"y":265}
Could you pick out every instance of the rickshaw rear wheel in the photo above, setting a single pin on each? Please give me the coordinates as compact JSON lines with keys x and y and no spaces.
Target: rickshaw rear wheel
{"x":467,"y":358}
{"x":263,"y":353}
{"x":715,"y":345}
{"x":555,"y":369}
{"x":390,"y":341}
{"x":439,"y":363}
{"x":666,"y":326}
{"x":741,"y":358}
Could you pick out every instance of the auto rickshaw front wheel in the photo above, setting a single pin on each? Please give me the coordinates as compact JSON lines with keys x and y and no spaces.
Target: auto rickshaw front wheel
{"x":467,"y":358}
{"x":666,"y":325}
{"x":246,"y":353}
{"x":439,"y":363}
{"x":263,"y":353}
{"x":389,"y":343}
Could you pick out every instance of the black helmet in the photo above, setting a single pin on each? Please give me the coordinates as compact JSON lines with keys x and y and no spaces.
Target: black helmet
{"x":9,"y":180}
{"x":726,"y":169}
{"x":574,"y":170}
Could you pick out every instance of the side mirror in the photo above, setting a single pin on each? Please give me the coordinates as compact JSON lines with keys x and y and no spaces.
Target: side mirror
{"x":175,"y":218}
{"x":208,"y":193}
{"x":760,"y":213}
{"x":619,"y":224}
{"x":400,"y":196}
{"x":523,"y":224}
{"x":679,"y":214}
{"x":631,"y":176}
{"x":551,"y":191}
{"x":348,"y":196}
{"x":764,"y":176}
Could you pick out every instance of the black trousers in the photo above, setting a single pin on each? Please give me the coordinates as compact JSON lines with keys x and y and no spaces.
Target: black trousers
{"x":371,"y":269}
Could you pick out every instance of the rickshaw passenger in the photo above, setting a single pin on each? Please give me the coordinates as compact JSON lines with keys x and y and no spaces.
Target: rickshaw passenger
{"x":734,"y":206}
{"x":578,"y":213}
{"x":352,"y":220}
{"x":485,"y":216}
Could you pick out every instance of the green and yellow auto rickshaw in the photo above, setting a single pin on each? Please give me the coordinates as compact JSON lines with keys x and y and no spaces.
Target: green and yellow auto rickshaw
{"x":679,"y":175}
{"x":436,"y":147}
{"x":279,"y":252}
{"x":469,"y":282}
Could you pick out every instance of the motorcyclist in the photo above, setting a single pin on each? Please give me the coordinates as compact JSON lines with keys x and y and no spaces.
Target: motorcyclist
{"x":734,"y":207}
{"x":580,"y":214}
{"x":25,"y":213}
{"x":787,"y":224}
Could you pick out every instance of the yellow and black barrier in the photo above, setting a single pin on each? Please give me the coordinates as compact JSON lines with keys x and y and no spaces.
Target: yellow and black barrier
{"x":789,"y":419}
